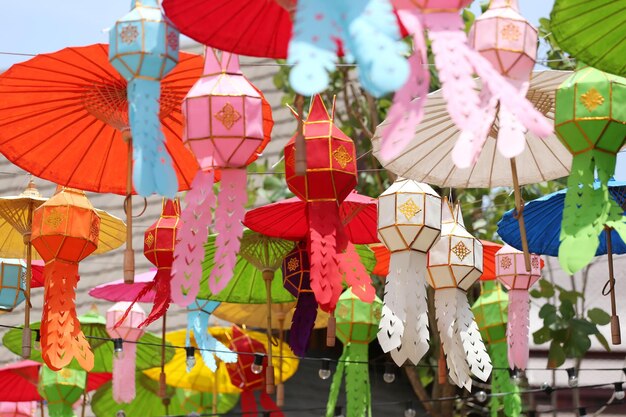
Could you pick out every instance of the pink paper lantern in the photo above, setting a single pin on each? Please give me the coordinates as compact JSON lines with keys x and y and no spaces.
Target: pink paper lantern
{"x":511,"y":272}
{"x":224,"y":128}
{"x":124,"y":362}
{"x":19,"y":409}
{"x":506,"y":39}
{"x":432,"y":6}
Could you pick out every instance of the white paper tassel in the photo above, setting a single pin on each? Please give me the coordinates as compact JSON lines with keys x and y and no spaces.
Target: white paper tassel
{"x":475,"y":352}
{"x":446,"y":314}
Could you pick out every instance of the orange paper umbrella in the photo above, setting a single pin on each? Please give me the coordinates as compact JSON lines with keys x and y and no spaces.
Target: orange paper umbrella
{"x":65,"y":230}
{"x":64,"y":118}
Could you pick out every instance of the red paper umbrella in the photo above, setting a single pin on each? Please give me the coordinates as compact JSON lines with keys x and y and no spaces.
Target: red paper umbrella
{"x":18,"y":381}
{"x":288,"y":219}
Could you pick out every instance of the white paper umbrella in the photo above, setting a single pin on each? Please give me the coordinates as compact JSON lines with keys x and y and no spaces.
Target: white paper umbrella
{"x":428,"y":157}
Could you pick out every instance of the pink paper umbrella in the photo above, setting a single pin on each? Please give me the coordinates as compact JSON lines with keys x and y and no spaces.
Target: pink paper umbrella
{"x":20,"y":409}
{"x":511,"y":272}
{"x":116,"y":291}
{"x":456,"y":64}
{"x":124,"y":363}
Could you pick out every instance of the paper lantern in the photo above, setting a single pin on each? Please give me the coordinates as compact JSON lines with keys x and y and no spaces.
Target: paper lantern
{"x":455,"y":263}
{"x":456,"y":65}
{"x":409,"y":222}
{"x":511,"y":272}
{"x":490,"y":310}
{"x":242,"y":376}
{"x":227,"y":124}
{"x":509,"y":43}
{"x":330,"y":176}
{"x":368,"y":30}
{"x":590,"y":120}
{"x":296,"y":279}
{"x":124,"y":362}
{"x":65,"y":231}
{"x":198,"y":315}
{"x":61,"y":389}
{"x":12,"y":283}
{"x":357,"y":324}
{"x":18,"y":409}
{"x":143,"y":48}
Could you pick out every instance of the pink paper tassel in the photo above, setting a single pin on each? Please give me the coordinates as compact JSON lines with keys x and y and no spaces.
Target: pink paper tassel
{"x":124,"y":374}
{"x":189,"y":251}
{"x":408,"y":103}
{"x":356,"y":275}
{"x":228,"y":216}
{"x":517,"y":328}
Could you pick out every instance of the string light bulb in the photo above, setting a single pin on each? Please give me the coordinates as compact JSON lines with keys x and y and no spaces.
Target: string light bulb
{"x":481,"y":396}
{"x":324,"y":372}
{"x":120,"y":413}
{"x":572,"y":377}
{"x":257,"y":365}
{"x":409,"y":411}
{"x":547,"y":388}
{"x":390,"y":373}
{"x":191,"y":356}
{"x":516,"y":376}
{"x":619,"y":391}
{"x":118,"y":347}
{"x":338,"y":412}
{"x":582,"y":412}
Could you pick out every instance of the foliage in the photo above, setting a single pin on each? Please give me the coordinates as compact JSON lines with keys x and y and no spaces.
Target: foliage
{"x":567,"y":327}
{"x":556,"y":58}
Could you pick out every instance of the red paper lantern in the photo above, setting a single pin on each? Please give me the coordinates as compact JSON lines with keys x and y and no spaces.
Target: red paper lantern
{"x":65,"y":231}
{"x":330,"y":176}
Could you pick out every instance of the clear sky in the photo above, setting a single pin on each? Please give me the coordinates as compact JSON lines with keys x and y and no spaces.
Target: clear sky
{"x":39,"y":26}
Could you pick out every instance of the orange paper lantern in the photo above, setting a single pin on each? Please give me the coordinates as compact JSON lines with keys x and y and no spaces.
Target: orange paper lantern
{"x":65,"y":231}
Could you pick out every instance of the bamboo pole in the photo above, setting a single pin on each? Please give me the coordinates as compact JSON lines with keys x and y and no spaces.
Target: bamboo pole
{"x":27,"y":336}
{"x":268,"y":275}
{"x":280,"y":391}
{"x":519,"y":215}
{"x":129,"y":254}
{"x":300,"y":148}
{"x":616,"y":333}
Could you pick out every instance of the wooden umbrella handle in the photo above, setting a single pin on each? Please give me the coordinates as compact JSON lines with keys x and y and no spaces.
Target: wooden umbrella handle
{"x":270,"y":388}
{"x":129,"y":254}
{"x":519,"y":208}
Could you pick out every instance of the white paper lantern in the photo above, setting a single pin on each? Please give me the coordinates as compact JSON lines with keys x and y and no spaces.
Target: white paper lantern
{"x":409,"y":222}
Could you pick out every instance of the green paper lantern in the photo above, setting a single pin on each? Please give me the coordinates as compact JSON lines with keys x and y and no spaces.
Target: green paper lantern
{"x":590,"y":120}
{"x":61,"y":389}
{"x":357,"y":325}
{"x":490,"y":311}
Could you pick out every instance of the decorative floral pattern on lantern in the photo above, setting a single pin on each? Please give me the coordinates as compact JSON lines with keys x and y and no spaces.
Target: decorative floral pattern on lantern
{"x":455,"y":263}
{"x":366,"y":30}
{"x":228,"y":123}
{"x":123,"y":383}
{"x":296,"y":279}
{"x":357,"y":324}
{"x":456,"y":65}
{"x":490,"y":310}
{"x":242,"y":376}
{"x":12,"y":283}
{"x":143,"y":49}
{"x":590,"y":120}
{"x":61,"y":389}
{"x":511,"y":272}
{"x":330,"y":176}
{"x":65,"y":231}
{"x":409,"y":223}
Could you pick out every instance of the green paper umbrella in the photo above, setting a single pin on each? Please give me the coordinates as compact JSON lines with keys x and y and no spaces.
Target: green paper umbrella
{"x":147,"y":402}
{"x":61,"y":389}
{"x":592,"y":32}
{"x":490,"y":311}
{"x":94,"y":327}
{"x":590,"y":120}
{"x":357,"y":325}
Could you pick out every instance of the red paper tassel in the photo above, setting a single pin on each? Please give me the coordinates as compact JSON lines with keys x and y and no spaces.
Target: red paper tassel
{"x":61,"y":337}
{"x":269,"y":405}
{"x":248,"y":403}
{"x":324,"y":223}
{"x":356,"y":275}
{"x":163,"y":297}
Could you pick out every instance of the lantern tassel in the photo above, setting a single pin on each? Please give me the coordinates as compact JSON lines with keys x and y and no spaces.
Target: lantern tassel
{"x":407,"y":109}
{"x":302,"y":323}
{"x":501,"y":383}
{"x":335,"y":385}
{"x":153,"y":171}
{"x":326,"y":282}
{"x":189,"y":251}
{"x":248,"y":403}
{"x":268,"y":404}
{"x":391,"y":326}
{"x":229,"y":214}
{"x":162,"y":298}
{"x":456,"y":63}
{"x":61,"y":337}
{"x":198,"y":321}
{"x":352,"y":365}
{"x":446,"y":310}
{"x":511,"y":133}
{"x":517,"y":328}
{"x":124,"y":374}
{"x":467,"y":330}
{"x":355,"y":274}
{"x":60,"y":409}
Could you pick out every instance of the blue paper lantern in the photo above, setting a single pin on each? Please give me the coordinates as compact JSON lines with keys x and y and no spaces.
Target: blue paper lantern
{"x":12,"y":283}
{"x":143,"y":49}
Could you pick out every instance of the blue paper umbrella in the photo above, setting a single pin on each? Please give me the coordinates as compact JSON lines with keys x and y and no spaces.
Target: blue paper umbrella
{"x":543,"y":218}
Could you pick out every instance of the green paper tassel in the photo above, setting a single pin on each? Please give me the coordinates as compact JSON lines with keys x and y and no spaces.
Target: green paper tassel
{"x":500,"y":382}
{"x":358,"y":395}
